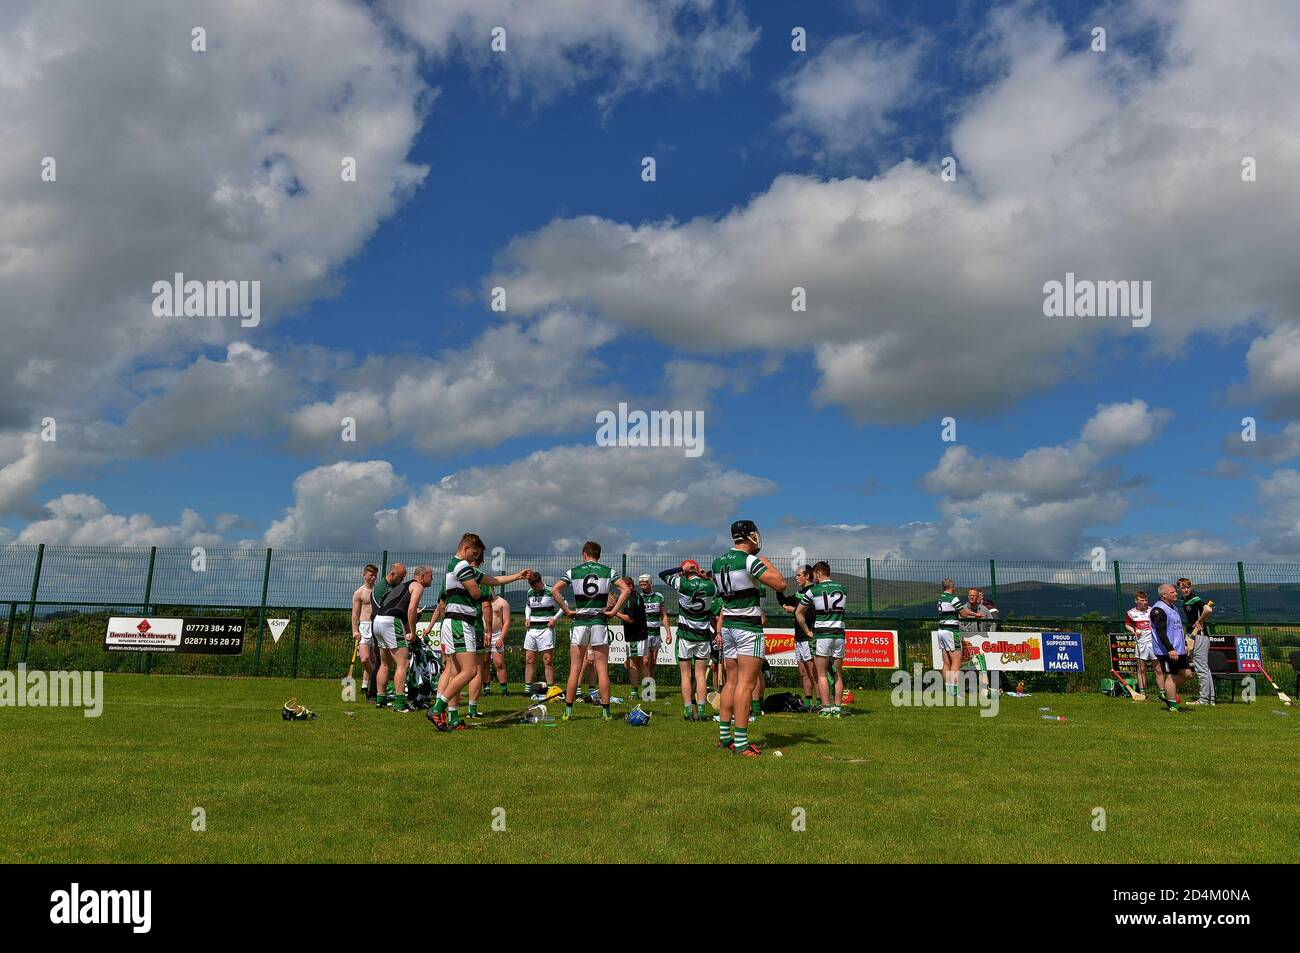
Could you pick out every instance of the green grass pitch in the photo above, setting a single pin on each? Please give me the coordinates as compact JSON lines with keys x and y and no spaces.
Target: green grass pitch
{"x":887,"y":784}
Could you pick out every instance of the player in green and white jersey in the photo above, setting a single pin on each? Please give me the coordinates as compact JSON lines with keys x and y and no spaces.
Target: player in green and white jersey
{"x":738,"y":573}
{"x":593,"y":582}
{"x":656,"y":620}
{"x":461,"y":636}
{"x":484,"y":624}
{"x":821,"y":618}
{"x":541,"y":616}
{"x":695,"y":596}
{"x":950,"y":609}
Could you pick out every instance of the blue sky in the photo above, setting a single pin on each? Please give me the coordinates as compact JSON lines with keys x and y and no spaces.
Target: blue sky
{"x":822,"y":451}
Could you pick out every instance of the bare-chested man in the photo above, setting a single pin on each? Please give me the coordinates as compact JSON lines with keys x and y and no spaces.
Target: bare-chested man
{"x":497,"y":642}
{"x":362,"y":609}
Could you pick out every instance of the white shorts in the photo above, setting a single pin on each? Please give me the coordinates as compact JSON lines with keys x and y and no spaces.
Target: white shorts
{"x":1146,"y":651}
{"x":830,"y":648}
{"x":638,"y":649}
{"x":595,"y":634}
{"x":803,"y":651}
{"x":387,"y":631}
{"x":738,"y":643}
{"x":653,"y":641}
{"x":686,"y":649}
{"x":367,"y":636}
{"x":946,"y":641}
{"x":498,"y":644}
{"x":458,"y":635}
{"x":539,"y":640}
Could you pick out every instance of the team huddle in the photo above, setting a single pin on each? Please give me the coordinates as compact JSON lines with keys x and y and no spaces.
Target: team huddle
{"x":719,"y":633}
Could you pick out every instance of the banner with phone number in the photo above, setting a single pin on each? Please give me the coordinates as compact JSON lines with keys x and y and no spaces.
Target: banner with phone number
{"x":201,"y":636}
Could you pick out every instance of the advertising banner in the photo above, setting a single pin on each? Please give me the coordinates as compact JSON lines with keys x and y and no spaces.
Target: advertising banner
{"x":870,"y":648}
{"x":1016,"y":651}
{"x":200,"y":636}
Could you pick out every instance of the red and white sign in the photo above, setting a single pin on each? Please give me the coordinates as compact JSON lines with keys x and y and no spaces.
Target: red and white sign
{"x":779,"y":646}
{"x":138,"y":634}
{"x":871,"y":648}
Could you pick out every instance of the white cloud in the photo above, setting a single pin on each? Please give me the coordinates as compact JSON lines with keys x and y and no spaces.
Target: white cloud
{"x":511,"y":380}
{"x":1121,"y":427}
{"x":226,"y":164}
{"x":555,"y":45}
{"x":335,"y":506}
{"x":925,"y":297}
{"x":1279,"y":525}
{"x":1273,"y":369}
{"x":840,"y":98}
{"x":220,"y":165}
{"x":1268,"y":447}
{"x":78,"y":519}
{"x":548,"y":501}
{"x":243,"y":393}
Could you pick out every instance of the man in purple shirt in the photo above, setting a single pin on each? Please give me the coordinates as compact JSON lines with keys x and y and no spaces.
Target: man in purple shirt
{"x":1170,"y":645}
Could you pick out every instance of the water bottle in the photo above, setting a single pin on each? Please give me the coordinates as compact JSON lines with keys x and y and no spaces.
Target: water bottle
{"x":1053,"y":718}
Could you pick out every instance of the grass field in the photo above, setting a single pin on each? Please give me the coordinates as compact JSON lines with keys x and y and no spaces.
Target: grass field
{"x":887,"y":784}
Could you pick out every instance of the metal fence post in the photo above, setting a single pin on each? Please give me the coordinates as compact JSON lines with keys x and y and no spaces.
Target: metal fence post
{"x":31,"y":603}
{"x":384,"y":569}
{"x":870,"y":608}
{"x":993,"y":580}
{"x":625,"y":564}
{"x":1119,"y":596}
{"x":148,"y":582}
{"x":297,"y":636}
{"x":1245,"y":607}
{"x":261,"y":614}
{"x":148,"y":594}
{"x":9,"y":633}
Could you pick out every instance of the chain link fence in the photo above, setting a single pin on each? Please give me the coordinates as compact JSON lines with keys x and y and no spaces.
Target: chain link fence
{"x":55,"y":602}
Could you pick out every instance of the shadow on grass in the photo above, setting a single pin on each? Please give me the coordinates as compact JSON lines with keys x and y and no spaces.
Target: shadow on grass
{"x":774,"y":740}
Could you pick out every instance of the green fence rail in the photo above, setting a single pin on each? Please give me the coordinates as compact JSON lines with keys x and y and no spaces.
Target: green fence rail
{"x":55,"y":600}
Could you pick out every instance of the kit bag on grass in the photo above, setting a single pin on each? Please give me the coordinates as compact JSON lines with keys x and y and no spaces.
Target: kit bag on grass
{"x":1114,"y":688}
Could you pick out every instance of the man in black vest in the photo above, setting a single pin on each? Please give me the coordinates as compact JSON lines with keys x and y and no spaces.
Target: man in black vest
{"x":635,"y":633}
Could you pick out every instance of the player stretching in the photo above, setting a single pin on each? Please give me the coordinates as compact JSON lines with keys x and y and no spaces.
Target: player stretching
{"x":460,"y":639}
{"x":823,"y":604}
{"x":736,"y":574}
{"x":589,"y":637}
{"x":1138,"y":621}
{"x":362,"y":609}
{"x":656,"y":620}
{"x":695,"y":594}
{"x":541,"y":615}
